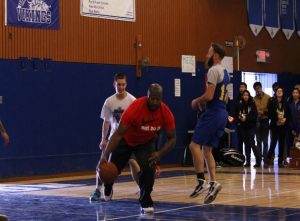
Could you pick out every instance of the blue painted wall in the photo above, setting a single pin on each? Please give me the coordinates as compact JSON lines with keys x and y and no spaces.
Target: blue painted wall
{"x":51,"y":112}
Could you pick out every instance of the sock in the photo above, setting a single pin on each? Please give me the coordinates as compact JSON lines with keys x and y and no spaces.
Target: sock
{"x":200,"y":176}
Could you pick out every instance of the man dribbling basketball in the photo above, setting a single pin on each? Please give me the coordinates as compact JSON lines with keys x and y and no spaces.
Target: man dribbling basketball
{"x":137,"y":133}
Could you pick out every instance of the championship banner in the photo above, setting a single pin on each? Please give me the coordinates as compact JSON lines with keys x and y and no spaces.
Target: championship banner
{"x":297,"y":15}
{"x":287,"y":17}
{"x":109,"y":9}
{"x":255,"y":15}
{"x":272,"y":22}
{"x":32,"y":13}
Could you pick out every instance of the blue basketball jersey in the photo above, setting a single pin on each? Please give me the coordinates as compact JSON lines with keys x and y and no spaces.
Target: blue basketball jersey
{"x":218,"y":102}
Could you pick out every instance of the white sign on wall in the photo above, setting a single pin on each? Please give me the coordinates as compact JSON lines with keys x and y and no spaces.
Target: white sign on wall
{"x":177,"y":87}
{"x":188,"y":64}
{"x":227,"y":62}
{"x":109,"y":9}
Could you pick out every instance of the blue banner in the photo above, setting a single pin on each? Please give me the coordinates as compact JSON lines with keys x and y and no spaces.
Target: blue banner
{"x":32,"y":13}
{"x":287,"y":17}
{"x":297,"y":15}
{"x":272,"y":22}
{"x":255,"y":15}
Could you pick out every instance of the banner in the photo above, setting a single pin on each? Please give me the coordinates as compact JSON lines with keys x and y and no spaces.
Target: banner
{"x":297,"y":15}
{"x":255,"y":15}
{"x":32,"y":13}
{"x":271,"y":14}
{"x":109,"y":9}
{"x":287,"y":17}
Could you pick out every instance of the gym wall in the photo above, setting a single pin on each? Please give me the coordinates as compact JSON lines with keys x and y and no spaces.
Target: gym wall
{"x":167,"y":29}
{"x":54,"y":82}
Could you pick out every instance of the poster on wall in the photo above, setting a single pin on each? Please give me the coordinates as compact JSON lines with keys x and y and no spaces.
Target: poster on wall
{"x":271,"y":13}
{"x":287,"y":18}
{"x":109,"y":9}
{"x":32,"y":13}
{"x":255,"y":15}
{"x":227,"y":62}
{"x":188,"y":64}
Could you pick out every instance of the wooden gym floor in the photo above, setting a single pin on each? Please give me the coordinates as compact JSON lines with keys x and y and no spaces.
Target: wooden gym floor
{"x":248,"y":194}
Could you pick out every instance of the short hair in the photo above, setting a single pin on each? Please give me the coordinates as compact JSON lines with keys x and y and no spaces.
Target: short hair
{"x":256,"y":84}
{"x":275,"y":85}
{"x":120,"y":76}
{"x":219,"y":49}
{"x":243,"y":83}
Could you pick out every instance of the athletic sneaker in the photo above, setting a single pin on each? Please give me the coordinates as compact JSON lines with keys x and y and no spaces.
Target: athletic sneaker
{"x":95,"y":196}
{"x":108,"y":194}
{"x":214,"y":189}
{"x":200,"y":188}
{"x":145,"y":210}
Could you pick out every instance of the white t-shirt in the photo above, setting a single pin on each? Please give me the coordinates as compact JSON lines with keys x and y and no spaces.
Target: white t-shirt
{"x":215,"y":74}
{"x":113,"y":109}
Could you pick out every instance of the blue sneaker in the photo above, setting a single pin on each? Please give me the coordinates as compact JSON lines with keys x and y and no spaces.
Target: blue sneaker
{"x":95,"y":196}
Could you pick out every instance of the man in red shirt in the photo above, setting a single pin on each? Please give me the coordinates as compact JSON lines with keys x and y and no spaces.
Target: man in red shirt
{"x":137,"y":133}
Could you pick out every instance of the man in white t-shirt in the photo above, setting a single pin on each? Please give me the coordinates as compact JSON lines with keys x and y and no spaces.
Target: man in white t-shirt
{"x":111,"y":114}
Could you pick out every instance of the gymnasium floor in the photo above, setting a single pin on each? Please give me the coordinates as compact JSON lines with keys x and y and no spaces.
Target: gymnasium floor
{"x":264,"y":194}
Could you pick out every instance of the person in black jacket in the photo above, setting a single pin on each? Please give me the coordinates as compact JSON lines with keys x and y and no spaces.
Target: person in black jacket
{"x":238,"y":101}
{"x":247,"y":116}
{"x":279,"y":114}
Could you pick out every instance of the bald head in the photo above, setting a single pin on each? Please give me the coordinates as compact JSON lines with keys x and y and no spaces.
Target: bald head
{"x":155,"y":89}
{"x":155,"y":92}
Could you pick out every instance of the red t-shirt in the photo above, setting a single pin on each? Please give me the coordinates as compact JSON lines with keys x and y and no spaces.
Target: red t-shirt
{"x":144,"y":124}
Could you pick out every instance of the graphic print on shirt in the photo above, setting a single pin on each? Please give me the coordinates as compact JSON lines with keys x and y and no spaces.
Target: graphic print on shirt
{"x":117,"y":113}
{"x":146,"y":127}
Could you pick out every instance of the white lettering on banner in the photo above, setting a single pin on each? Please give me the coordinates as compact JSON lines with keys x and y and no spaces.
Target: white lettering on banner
{"x":283,"y":5}
{"x":109,"y":9}
{"x":37,"y":12}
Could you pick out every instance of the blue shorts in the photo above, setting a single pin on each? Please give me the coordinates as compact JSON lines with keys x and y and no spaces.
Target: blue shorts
{"x":210,"y":128}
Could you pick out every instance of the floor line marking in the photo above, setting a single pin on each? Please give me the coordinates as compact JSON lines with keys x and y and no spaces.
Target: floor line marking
{"x":200,"y":205}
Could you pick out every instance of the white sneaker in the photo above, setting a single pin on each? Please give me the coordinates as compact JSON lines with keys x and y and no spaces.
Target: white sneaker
{"x":109,"y":196}
{"x":145,"y":210}
{"x":214,"y":189}
{"x":200,"y":188}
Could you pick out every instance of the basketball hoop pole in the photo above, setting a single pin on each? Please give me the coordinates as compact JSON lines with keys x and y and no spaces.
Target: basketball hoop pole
{"x":237,"y":46}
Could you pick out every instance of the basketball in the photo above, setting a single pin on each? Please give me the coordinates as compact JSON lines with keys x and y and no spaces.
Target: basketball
{"x":108,"y":172}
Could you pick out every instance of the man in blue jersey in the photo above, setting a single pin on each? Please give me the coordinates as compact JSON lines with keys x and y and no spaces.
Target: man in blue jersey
{"x":210,"y":127}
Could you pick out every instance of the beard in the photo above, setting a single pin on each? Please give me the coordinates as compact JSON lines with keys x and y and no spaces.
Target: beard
{"x":210,"y":62}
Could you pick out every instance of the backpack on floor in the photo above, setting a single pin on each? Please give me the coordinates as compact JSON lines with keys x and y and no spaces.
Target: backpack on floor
{"x":231,"y":157}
